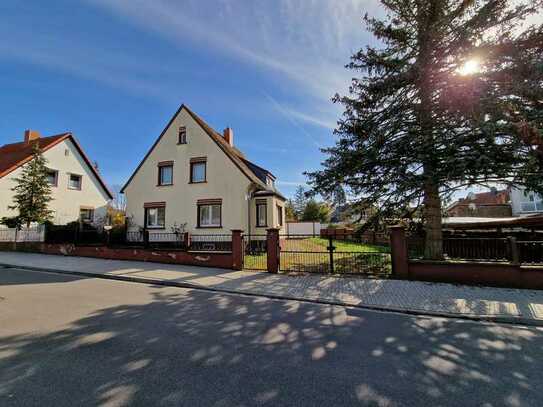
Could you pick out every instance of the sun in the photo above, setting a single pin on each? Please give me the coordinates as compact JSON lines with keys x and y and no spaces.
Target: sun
{"x":470,"y":67}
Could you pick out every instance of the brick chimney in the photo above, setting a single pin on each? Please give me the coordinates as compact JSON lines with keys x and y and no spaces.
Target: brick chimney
{"x":31,"y":135}
{"x":229,"y":136}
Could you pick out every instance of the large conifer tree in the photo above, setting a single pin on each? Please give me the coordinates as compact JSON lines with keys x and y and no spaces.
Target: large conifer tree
{"x":33,"y":192}
{"x":452,"y":97}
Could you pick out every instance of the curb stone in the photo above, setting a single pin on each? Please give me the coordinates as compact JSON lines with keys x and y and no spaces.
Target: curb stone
{"x":417,"y":312}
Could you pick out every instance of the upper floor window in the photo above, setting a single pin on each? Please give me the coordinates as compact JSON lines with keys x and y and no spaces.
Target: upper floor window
{"x":74,"y":181}
{"x":531,"y":202}
{"x":261,"y":214}
{"x":182,"y":138}
{"x":270,"y":182}
{"x":52,"y":177}
{"x":165,"y":173}
{"x":198,"y":170}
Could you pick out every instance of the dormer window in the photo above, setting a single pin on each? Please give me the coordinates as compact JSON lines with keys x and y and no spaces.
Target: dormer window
{"x":182,"y":138}
{"x":270,"y":182}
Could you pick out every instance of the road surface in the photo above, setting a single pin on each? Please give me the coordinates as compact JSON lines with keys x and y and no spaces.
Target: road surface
{"x":70,"y":341}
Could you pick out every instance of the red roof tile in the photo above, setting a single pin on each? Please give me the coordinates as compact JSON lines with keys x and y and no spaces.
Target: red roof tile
{"x":12,"y":156}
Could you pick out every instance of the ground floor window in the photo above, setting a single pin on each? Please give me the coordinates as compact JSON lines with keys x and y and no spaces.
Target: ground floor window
{"x":209,"y":215}
{"x":261,"y":214}
{"x":155,"y":217}
{"x":280,"y":215}
{"x":86,"y":215}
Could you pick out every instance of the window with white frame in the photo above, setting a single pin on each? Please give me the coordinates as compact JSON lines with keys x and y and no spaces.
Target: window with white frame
{"x":165,"y":173}
{"x":198,"y":171}
{"x":182,"y":135}
{"x":74,"y":181}
{"x":261,"y":214}
{"x":531,"y":202}
{"x":280,"y":215}
{"x":209,"y":215}
{"x":155,"y":217}
{"x":52,"y":177}
{"x":86,"y":215}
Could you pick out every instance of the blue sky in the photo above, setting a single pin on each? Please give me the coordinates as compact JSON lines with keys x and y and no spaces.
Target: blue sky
{"x":114,"y":71}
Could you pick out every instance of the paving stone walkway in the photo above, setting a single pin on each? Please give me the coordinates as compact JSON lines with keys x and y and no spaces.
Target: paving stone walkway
{"x":498,"y":304}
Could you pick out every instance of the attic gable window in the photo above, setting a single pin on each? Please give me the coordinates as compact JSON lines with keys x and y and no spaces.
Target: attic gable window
{"x":182,"y":138}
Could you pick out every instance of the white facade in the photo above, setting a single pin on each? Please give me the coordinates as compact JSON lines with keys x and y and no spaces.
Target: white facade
{"x":68,"y":202}
{"x":220,"y":201}
{"x":525,"y":203}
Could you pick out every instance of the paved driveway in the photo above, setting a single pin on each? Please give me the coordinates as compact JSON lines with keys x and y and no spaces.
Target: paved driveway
{"x":67,"y":341}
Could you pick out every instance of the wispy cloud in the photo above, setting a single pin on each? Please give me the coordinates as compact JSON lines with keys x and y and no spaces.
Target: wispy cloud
{"x":307,"y":42}
{"x":292,"y":120}
{"x":292,"y":183}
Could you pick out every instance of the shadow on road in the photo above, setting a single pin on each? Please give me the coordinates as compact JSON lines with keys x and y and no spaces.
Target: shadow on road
{"x":198,"y":348}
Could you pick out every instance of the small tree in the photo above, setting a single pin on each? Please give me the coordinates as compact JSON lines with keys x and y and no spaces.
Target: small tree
{"x":290,"y":211}
{"x":316,"y":212}
{"x":300,"y":201}
{"x":33,"y":192}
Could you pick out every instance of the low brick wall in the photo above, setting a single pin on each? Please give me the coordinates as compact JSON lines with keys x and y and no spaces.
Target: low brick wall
{"x":208,"y":259}
{"x":491,"y":274}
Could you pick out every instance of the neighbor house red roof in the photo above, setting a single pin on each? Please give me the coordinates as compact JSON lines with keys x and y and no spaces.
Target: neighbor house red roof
{"x":12,"y":156}
{"x":484,"y":198}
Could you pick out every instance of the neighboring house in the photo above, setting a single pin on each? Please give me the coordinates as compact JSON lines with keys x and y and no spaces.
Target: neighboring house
{"x":525,"y":203}
{"x":492,"y":204}
{"x":195,"y":176}
{"x":78,"y":191}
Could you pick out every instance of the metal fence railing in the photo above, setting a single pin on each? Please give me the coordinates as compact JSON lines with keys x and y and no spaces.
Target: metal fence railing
{"x":486,"y":249}
{"x":255,"y":252}
{"x":305,"y":253}
{"x":211,"y":243}
{"x":530,"y":252}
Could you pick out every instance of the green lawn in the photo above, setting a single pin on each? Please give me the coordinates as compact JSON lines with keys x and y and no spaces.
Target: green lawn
{"x":351,"y":247}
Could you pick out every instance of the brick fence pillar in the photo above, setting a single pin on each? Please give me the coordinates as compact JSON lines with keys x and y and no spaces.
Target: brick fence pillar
{"x":272,"y":245}
{"x":237,"y":249}
{"x":398,"y":252}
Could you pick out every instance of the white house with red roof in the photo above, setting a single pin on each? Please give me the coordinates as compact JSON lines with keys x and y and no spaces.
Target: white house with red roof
{"x":78,"y":191}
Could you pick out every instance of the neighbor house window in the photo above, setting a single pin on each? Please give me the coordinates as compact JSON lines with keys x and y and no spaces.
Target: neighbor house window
{"x":52,"y":177}
{"x":74,"y":181}
{"x":182,"y":135}
{"x":198,"y":170}
{"x":531,"y":202}
{"x":280,"y":215}
{"x":155,"y":215}
{"x":165,"y":173}
{"x":261,"y":214}
{"x":209,"y":213}
{"x":86,"y":215}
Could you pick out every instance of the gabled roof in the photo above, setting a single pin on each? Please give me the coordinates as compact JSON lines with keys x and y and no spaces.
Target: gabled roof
{"x":250,"y":170}
{"x":484,"y":198}
{"x":14,"y":155}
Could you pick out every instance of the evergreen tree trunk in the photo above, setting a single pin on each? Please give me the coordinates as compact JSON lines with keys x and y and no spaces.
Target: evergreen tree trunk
{"x":433,"y":247}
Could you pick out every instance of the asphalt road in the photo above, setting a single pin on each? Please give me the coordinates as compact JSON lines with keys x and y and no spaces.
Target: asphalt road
{"x":69,"y":341}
